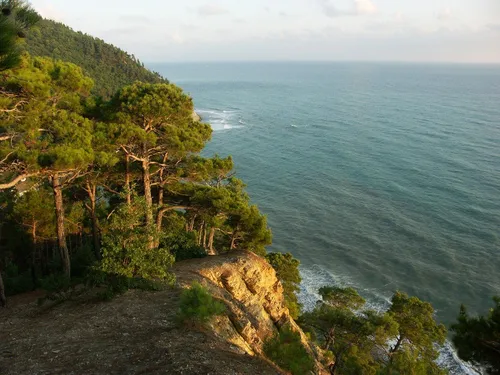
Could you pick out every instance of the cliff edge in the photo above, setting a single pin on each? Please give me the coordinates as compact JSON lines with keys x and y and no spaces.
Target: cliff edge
{"x":138,"y":333}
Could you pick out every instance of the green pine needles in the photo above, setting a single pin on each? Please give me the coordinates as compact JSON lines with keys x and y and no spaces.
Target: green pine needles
{"x":198,"y":305}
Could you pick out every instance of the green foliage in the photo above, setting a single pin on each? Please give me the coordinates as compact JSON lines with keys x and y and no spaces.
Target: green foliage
{"x":360,"y":339}
{"x":15,"y":18}
{"x":55,"y":283}
{"x":126,"y":180}
{"x":15,"y":281}
{"x":125,"y":249}
{"x":34,"y":210}
{"x":286,"y":350}
{"x":110,"y":67}
{"x":342,"y":298}
{"x":477,"y":338}
{"x":417,"y":336}
{"x":182,"y":246}
{"x":197,"y":304}
{"x":287,"y":271}
{"x":83,"y":260}
{"x":44,"y":118}
{"x":115,"y":284}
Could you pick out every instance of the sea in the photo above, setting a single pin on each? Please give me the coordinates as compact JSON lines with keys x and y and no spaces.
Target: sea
{"x":379,"y":176}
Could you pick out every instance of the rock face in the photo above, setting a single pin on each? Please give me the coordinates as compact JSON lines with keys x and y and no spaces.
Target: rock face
{"x":248,"y":286}
{"x":196,"y":117}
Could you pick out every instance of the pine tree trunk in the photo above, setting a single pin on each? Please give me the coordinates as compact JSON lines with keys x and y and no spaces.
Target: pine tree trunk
{"x":127,"y":180}
{"x":149,"y":199}
{"x":205,"y":237}
{"x":33,"y":256}
{"x":61,"y":235}
{"x":233,"y":242}
{"x":92,"y":192}
{"x":200,"y":233}
{"x":147,"y":192}
{"x":191,"y":225}
{"x":161,"y":190}
{"x":3,"y":300}
{"x":211,"y":250}
{"x":396,"y":347}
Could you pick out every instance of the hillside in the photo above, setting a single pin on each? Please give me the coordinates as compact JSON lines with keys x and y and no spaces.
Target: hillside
{"x":109,"y":67}
{"x":137,"y":333}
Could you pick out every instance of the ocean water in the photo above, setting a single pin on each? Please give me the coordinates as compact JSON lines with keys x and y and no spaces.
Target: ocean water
{"x":379,"y":176}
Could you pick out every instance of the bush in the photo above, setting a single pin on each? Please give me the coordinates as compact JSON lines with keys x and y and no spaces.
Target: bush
{"x":55,"y":283}
{"x":287,"y":271}
{"x":182,"y":246}
{"x":126,"y":247}
{"x":17,"y":282}
{"x":82,"y":260}
{"x":198,"y":305}
{"x":118,"y":284}
{"x":286,"y":350}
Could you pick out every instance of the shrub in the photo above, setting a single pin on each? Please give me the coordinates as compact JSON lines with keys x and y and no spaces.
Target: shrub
{"x":197,"y":304}
{"x":118,"y":284}
{"x":286,"y":350}
{"x":17,"y":282}
{"x":182,"y":245}
{"x":82,"y":260}
{"x":126,"y":247}
{"x":287,"y":271}
{"x":55,"y":283}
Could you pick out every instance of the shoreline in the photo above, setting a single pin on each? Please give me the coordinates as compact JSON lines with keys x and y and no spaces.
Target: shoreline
{"x":196,"y":116}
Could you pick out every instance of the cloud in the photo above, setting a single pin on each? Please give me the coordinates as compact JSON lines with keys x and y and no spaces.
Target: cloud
{"x":211,"y":10}
{"x":445,"y":14}
{"x":134,"y":18}
{"x":494,"y":27}
{"x":365,"y":7}
{"x":48,"y":11}
{"x":359,"y":8}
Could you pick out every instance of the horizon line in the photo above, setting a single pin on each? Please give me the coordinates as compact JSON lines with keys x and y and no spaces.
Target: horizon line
{"x":325,"y":61}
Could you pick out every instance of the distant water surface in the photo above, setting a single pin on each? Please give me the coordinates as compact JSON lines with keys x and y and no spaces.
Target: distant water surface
{"x":376,"y":176}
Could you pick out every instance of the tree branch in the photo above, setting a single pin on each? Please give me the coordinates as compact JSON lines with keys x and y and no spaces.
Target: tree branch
{"x":18,"y":179}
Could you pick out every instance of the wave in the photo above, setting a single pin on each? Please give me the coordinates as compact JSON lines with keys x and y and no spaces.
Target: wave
{"x":221,"y":120}
{"x":316,"y":276}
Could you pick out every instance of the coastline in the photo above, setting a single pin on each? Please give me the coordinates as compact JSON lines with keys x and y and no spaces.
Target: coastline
{"x":196,"y":116}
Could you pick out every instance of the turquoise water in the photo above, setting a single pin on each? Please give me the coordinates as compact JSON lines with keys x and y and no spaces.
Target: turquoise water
{"x":378,"y":176}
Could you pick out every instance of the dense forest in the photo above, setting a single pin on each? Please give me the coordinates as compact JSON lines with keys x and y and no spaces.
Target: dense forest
{"x":109,"y":67}
{"x":102,"y":184}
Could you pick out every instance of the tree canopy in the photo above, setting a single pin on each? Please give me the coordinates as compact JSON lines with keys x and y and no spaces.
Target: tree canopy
{"x":116,"y":185}
{"x":477,"y":338}
{"x":401,"y":340}
{"x":110,"y":67}
{"x":15,"y":18}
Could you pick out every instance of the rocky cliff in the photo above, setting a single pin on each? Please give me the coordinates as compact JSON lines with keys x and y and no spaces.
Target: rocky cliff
{"x":248,"y":286}
{"x":137,"y":333}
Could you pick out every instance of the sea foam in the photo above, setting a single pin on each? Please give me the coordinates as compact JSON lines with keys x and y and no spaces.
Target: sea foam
{"x":316,"y":276}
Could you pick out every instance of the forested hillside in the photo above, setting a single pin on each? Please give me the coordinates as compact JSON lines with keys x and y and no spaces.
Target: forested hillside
{"x":110,"y":67}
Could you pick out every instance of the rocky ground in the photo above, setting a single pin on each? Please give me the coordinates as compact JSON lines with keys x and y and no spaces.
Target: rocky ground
{"x":138,"y":333}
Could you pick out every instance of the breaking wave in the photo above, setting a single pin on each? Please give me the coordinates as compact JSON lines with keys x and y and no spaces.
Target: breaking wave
{"x":316,"y":276}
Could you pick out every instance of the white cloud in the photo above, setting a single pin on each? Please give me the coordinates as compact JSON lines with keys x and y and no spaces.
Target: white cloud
{"x":211,"y":10}
{"x":135,"y":19}
{"x":176,"y":38}
{"x":365,"y":7}
{"x":445,"y":14}
{"x":48,"y":11}
{"x":359,"y":7}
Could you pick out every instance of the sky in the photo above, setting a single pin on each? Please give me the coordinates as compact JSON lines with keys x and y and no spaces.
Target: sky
{"x":290,"y":30}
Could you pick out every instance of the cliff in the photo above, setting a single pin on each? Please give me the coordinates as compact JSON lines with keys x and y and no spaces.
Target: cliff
{"x":138,"y":332}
